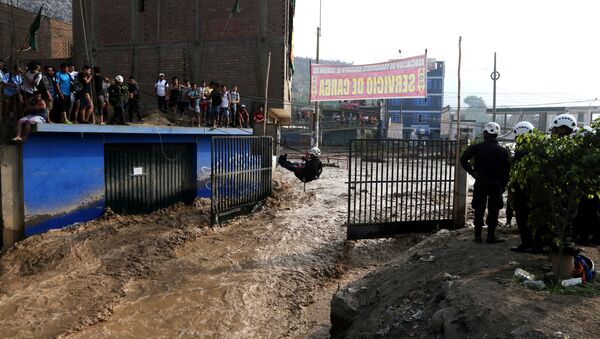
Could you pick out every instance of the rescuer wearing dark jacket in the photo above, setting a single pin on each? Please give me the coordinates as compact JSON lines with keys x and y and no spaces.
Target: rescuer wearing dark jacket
{"x":519,"y":197}
{"x":309,"y":169}
{"x":491,"y":169}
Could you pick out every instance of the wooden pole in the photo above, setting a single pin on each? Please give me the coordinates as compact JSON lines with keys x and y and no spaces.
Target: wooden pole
{"x":266,"y":113}
{"x":458,"y":92}
{"x":460,"y":175}
{"x":316,"y":116}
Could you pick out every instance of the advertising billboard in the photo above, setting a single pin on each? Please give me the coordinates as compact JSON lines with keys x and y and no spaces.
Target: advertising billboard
{"x":403,"y":78}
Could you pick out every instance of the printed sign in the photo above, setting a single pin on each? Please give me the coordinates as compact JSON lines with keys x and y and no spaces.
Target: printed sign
{"x":404,"y":78}
{"x":138,"y":171}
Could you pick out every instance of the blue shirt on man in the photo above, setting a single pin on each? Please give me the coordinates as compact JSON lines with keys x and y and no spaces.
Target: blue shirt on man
{"x":64,"y":82}
{"x":10,"y":78}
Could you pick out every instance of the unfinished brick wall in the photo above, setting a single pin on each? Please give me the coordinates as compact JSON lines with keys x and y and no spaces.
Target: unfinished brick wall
{"x":54,"y":36}
{"x":192,"y":39}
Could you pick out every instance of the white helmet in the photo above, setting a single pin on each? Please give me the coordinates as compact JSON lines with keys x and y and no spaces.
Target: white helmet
{"x":315,"y":151}
{"x":492,"y":128}
{"x":586,"y":130}
{"x":566,"y":120}
{"x":523,"y":127}
{"x":119,"y":78}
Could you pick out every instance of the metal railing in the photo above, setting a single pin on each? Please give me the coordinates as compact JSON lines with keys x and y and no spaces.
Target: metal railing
{"x":241,"y":175}
{"x":398,"y":186}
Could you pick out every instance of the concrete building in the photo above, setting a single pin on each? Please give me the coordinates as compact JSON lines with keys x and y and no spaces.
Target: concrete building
{"x":194,"y":39}
{"x":54,"y":36}
{"x":423,"y":114}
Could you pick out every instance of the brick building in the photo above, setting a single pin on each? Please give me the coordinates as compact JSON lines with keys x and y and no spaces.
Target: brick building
{"x":193,"y":39}
{"x":54,"y":36}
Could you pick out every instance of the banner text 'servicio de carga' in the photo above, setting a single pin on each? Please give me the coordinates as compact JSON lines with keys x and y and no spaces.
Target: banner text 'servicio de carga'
{"x":404,"y":78}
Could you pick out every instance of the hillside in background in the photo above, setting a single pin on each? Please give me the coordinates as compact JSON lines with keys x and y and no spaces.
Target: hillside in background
{"x":61,"y":9}
{"x":301,"y":79}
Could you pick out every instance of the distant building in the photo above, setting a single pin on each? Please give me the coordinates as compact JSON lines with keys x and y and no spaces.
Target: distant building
{"x":197,"y":40}
{"x":422,"y":115}
{"x":54,"y":37}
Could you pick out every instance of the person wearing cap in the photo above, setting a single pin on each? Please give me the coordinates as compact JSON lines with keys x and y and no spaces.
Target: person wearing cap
{"x":117,"y":94}
{"x":309,"y":169}
{"x":161,"y":86}
{"x":491,"y":173}
{"x":243,"y":117}
{"x":36,"y":112}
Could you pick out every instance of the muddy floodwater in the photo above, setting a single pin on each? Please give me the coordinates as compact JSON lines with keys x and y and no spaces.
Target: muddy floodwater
{"x":269,"y":274}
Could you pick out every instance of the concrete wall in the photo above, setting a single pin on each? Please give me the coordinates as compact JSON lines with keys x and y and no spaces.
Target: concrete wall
{"x":193,"y":39}
{"x":63,"y":172}
{"x":11,"y":205}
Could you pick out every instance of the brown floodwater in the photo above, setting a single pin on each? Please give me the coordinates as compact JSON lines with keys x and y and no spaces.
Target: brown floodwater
{"x":269,"y":274}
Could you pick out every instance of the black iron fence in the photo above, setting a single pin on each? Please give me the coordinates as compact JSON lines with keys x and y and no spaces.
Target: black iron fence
{"x":241,"y":175}
{"x":398,"y":186}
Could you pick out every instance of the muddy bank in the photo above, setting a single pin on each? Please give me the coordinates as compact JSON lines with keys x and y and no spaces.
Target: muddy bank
{"x":65,"y":280}
{"x":449,"y":287}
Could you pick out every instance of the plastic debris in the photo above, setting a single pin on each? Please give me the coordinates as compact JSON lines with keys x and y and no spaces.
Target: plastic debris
{"x":523,"y":275}
{"x":571,"y":282}
{"x":535,"y":284}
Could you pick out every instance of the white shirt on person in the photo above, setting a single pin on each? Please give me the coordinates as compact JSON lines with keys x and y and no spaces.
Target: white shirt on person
{"x":31,"y":81}
{"x":225,"y":102}
{"x":161,"y":88}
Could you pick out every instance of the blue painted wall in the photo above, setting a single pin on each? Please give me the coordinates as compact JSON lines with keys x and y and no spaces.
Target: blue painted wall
{"x":63,"y":173}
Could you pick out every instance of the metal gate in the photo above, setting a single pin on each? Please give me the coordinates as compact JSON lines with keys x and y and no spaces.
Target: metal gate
{"x":141,"y":178}
{"x":241,"y":175}
{"x":399,"y":186}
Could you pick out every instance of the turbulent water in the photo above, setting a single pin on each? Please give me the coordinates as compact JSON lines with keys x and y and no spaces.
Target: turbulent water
{"x":168,"y":275}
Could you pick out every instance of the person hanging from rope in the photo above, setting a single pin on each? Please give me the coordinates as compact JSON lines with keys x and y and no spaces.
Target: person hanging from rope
{"x":309,"y":169}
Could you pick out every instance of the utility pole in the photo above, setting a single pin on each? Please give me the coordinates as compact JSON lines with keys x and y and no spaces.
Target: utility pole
{"x":315,"y":120}
{"x":266,"y":114}
{"x":495,"y":76}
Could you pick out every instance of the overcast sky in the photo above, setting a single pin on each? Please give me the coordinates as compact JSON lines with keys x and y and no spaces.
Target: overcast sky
{"x":546,"y":50}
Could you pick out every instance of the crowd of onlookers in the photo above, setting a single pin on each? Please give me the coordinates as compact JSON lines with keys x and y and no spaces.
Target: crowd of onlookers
{"x":43,"y":94}
{"x":212,"y":105}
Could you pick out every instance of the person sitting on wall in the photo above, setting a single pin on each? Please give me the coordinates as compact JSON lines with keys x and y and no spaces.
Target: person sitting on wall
{"x":259,"y":116}
{"x":309,"y":169}
{"x":243,"y":117}
{"x":35,"y":113}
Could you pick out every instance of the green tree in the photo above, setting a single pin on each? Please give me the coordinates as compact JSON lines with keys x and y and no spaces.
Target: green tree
{"x":557,"y":173}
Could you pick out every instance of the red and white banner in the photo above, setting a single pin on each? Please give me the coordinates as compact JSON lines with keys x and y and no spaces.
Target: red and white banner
{"x":404,"y":78}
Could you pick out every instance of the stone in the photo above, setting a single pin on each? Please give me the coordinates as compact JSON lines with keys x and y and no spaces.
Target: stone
{"x":344,"y":309}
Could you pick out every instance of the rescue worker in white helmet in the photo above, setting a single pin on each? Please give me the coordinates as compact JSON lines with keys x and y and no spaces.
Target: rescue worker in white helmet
{"x":309,"y":169}
{"x":519,"y":199}
{"x":491,"y":170}
{"x":586,"y":226}
{"x":563,"y":125}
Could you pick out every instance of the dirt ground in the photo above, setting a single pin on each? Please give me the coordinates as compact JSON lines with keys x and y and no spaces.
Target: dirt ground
{"x":447,"y":286}
{"x":272,"y":274}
